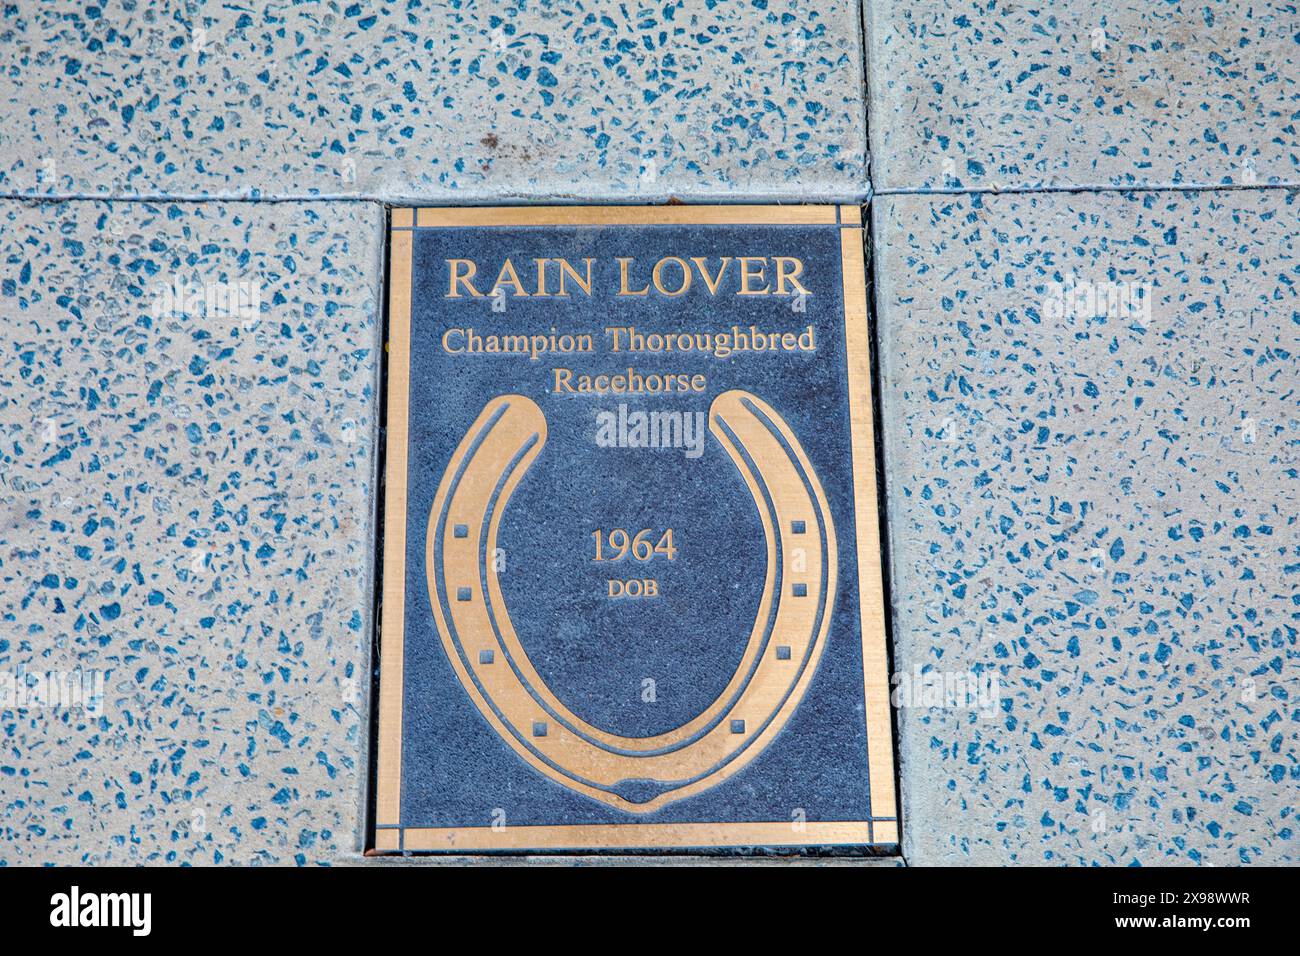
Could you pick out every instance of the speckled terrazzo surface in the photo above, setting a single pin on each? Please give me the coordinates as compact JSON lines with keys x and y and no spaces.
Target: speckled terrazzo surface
{"x":1098,"y":511}
{"x":1095,"y":510}
{"x":186,"y":506}
{"x":437,"y":100}
{"x":989,"y":95}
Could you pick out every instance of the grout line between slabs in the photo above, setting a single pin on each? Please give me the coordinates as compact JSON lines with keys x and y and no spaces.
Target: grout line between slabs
{"x":1088,"y":188}
{"x":863,"y":197}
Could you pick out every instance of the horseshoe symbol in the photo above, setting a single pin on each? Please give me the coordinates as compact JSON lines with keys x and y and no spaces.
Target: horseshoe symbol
{"x":634,"y":774}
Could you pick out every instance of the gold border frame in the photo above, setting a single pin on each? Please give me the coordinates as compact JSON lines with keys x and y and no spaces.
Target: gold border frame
{"x":882,"y":823}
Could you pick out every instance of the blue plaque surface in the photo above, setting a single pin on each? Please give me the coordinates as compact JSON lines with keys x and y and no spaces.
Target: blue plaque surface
{"x":631,"y":586}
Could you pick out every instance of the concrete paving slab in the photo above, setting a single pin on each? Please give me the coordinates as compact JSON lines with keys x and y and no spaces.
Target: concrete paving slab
{"x":1091,"y":435}
{"x":976,"y":95}
{"x":440,"y":101}
{"x":187,"y":419}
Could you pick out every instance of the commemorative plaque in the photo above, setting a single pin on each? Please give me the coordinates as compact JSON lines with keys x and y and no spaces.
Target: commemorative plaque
{"x":631,"y":563}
